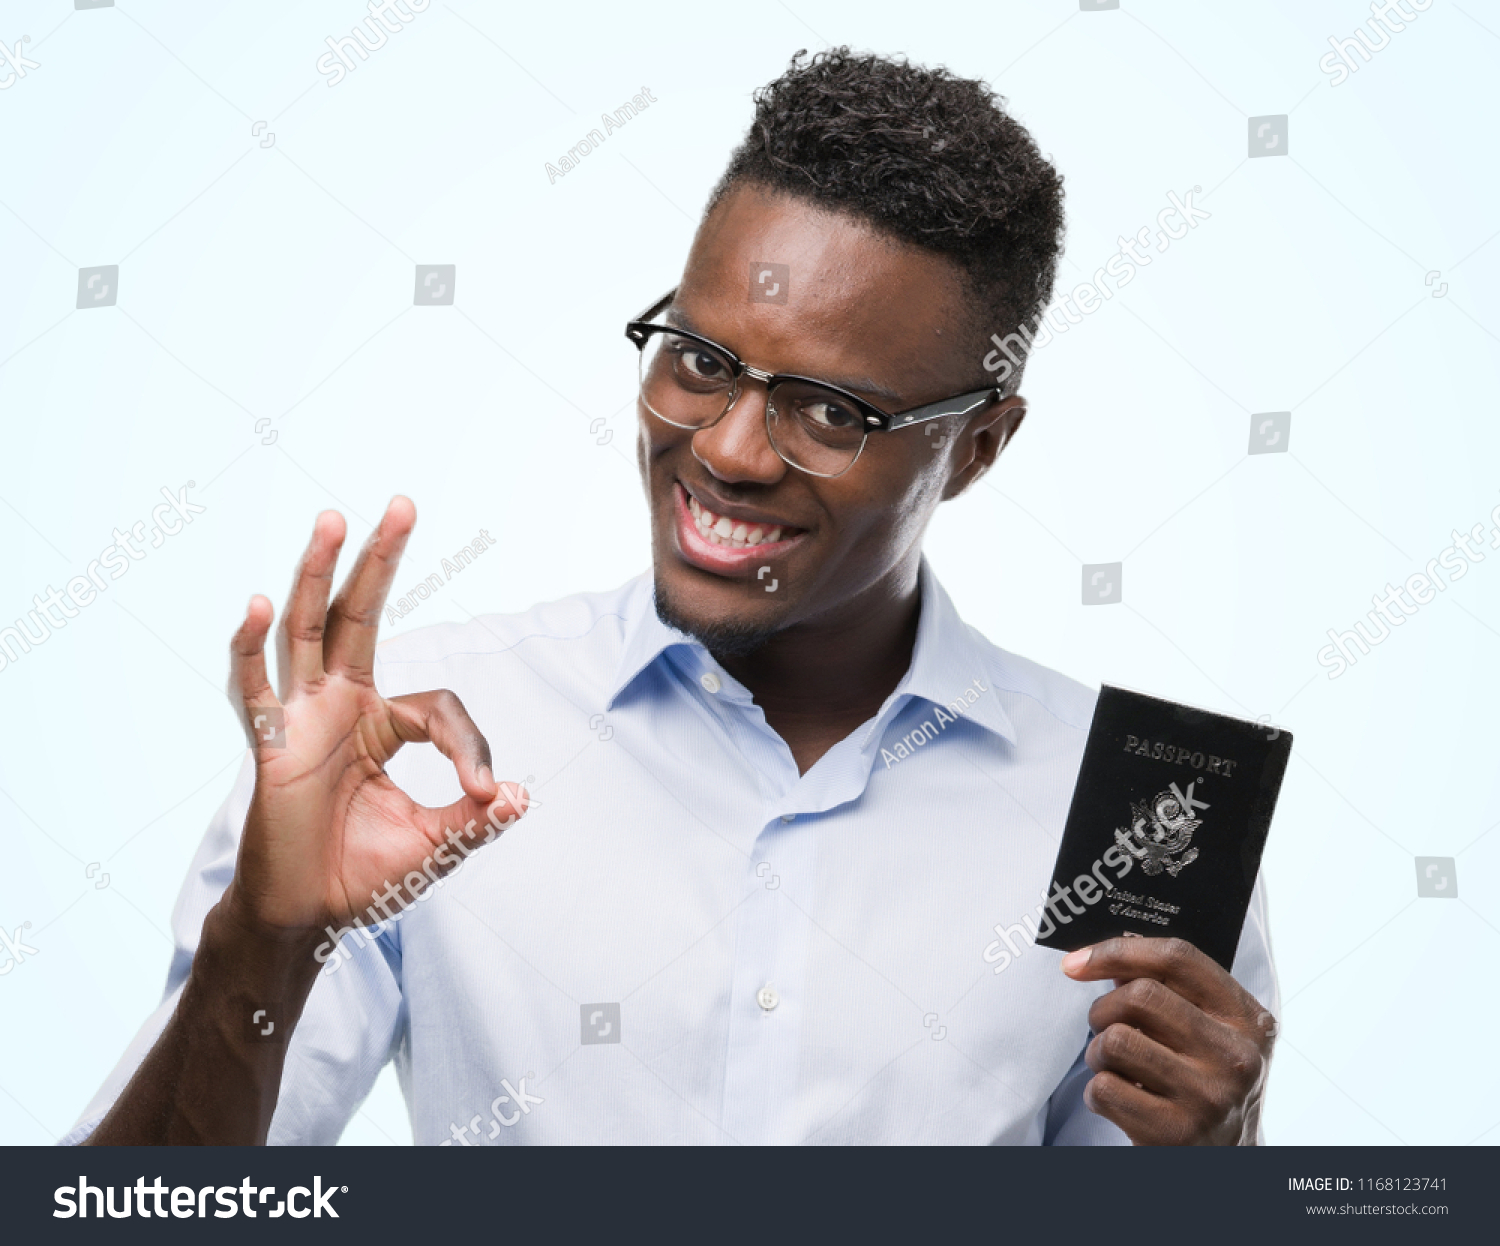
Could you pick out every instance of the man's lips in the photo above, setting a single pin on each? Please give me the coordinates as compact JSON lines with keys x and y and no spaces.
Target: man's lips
{"x":726,"y":543}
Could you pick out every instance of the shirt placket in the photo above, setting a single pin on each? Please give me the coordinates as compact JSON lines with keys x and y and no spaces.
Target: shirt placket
{"x":769,"y":1003}
{"x":769,"y":936}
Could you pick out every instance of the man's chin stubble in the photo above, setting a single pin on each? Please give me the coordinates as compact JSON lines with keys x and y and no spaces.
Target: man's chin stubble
{"x":724,"y":638}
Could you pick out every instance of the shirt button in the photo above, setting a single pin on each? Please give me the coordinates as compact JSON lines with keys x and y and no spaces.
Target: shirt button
{"x":788,"y":817}
{"x":767,"y":998}
{"x":710,"y":681}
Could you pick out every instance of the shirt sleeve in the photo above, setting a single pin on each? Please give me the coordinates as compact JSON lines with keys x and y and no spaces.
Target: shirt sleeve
{"x":1070,"y":1123}
{"x":349,"y":1028}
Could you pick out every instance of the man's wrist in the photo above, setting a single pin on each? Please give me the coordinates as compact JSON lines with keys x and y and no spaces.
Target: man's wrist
{"x":235,"y":922}
{"x":255,"y":976}
{"x":214,"y":1075}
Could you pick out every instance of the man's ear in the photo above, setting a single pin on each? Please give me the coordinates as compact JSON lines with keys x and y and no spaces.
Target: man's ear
{"x":979,"y":442}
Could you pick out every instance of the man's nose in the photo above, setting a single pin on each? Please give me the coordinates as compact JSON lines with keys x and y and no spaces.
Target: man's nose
{"x":738,"y":449}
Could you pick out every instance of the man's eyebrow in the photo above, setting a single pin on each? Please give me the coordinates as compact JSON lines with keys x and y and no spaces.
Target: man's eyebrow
{"x":674,"y":315}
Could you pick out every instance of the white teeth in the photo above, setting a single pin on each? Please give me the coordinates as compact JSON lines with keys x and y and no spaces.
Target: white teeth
{"x":729,"y":533}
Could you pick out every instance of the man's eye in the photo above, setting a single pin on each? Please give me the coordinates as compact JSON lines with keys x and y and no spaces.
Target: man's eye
{"x":701,"y":365}
{"x":829,"y":414}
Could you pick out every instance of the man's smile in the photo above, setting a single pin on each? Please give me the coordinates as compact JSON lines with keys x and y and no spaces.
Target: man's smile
{"x":727,"y":539}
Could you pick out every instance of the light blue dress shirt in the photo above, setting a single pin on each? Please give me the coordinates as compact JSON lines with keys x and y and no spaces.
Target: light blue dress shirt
{"x":686,"y":941}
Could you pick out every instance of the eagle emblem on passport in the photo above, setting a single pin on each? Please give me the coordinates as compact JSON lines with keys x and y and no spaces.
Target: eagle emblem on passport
{"x":1161,"y":830}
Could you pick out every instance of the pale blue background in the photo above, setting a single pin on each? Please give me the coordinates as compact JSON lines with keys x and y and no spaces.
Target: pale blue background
{"x":276,"y":283}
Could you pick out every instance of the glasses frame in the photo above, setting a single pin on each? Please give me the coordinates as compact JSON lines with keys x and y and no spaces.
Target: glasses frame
{"x":641,"y":329}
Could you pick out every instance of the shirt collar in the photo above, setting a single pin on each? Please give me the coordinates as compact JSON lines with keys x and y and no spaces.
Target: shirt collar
{"x":948,"y":657}
{"x":646,"y":638}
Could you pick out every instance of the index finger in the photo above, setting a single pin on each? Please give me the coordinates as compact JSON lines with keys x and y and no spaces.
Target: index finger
{"x":299,"y":641}
{"x":354,"y":616}
{"x":1175,"y":963}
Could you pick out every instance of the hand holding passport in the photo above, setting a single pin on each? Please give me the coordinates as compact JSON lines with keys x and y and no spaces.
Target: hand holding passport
{"x":1164,"y":838}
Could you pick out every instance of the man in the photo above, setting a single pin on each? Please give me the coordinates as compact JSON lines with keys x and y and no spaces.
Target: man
{"x":789,"y":795}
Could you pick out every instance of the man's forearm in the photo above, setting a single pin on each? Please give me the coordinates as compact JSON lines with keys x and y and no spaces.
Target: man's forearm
{"x":214,"y":1075}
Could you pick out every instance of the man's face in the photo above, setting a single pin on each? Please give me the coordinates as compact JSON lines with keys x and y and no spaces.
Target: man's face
{"x":866,"y":313}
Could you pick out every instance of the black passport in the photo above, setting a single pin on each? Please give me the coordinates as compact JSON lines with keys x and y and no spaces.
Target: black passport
{"x":1167,"y":825}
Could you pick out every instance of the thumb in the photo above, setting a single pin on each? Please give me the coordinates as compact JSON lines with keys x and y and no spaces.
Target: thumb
{"x":468,"y":823}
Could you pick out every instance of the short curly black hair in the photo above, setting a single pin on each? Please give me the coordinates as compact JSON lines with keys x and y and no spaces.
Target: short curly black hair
{"x":925,"y":156}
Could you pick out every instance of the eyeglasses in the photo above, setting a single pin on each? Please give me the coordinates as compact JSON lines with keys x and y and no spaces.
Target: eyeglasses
{"x":688,"y":381}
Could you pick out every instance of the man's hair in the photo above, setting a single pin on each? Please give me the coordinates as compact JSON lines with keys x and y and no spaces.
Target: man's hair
{"x":924,"y":156}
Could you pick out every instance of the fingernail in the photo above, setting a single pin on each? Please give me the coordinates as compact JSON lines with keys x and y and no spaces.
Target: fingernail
{"x":1075,"y":961}
{"x":486,"y":776}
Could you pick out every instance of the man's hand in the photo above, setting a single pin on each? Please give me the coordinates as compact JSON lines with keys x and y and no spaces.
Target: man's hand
{"x":1180,"y":1050}
{"x":327,"y":831}
{"x":326,"y":834}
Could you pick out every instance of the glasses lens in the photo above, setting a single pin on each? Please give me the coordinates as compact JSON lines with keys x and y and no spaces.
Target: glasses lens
{"x":816,"y":429}
{"x":685,"y":382}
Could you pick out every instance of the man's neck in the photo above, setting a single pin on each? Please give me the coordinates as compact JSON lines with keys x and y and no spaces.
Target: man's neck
{"x":816,"y":682}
